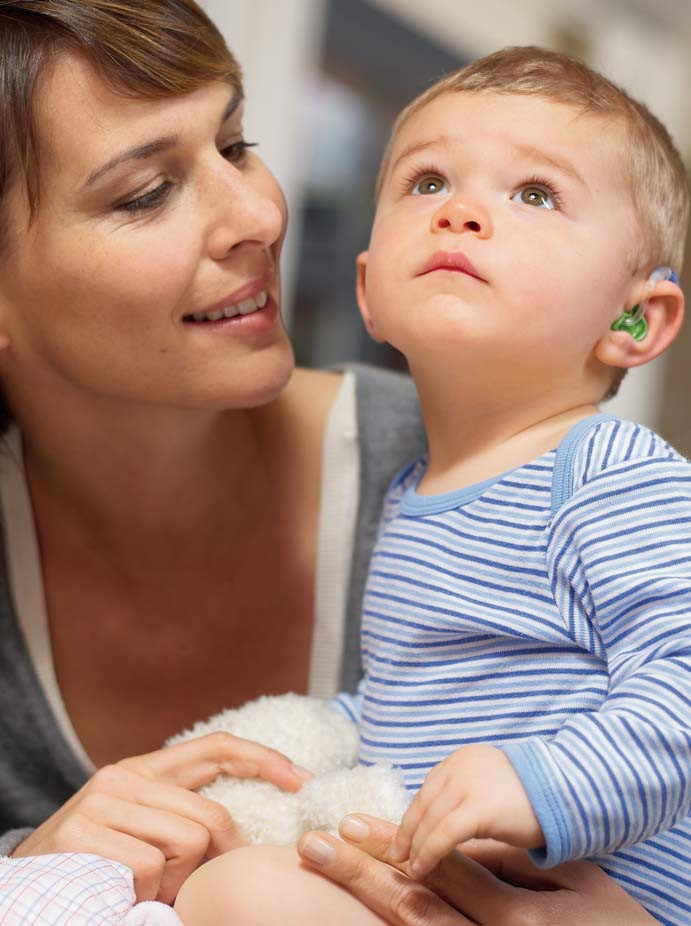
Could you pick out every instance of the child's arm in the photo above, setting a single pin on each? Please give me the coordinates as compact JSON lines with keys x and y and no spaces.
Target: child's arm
{"x":350,"y":705}
{"x":474,"y":793}
{"x":620,"y":559}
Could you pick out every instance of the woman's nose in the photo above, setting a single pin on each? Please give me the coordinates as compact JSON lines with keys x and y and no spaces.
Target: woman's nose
{"x":460,"y":215}
{"x":244,"y":212}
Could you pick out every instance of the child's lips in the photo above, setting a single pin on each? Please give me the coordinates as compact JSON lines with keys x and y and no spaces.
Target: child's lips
{"x":454,"y":261}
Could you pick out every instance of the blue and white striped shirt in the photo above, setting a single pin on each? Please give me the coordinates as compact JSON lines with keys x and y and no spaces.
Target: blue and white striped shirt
{"x":548,"y":612}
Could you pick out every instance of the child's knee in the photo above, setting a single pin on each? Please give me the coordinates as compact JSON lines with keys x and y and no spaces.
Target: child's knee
{"x":262,"y":886}
{"x":235,"y":887}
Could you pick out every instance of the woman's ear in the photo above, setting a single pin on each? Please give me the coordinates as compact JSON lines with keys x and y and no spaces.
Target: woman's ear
{"x":664,"y":314}
{"x":361,"y":294}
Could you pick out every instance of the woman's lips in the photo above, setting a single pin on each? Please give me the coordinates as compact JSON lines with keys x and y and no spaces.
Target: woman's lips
{"x":260,"y":321}
{"x":455,"y":261}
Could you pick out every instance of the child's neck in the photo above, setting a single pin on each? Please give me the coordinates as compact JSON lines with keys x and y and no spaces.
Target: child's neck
{"x":470,"y":443}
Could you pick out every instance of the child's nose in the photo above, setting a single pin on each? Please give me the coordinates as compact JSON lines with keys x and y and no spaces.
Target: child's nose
{"x":460,"y":216}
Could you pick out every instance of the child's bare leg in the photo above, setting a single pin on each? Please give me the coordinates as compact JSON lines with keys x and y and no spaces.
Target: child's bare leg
{"x":265,"y":886}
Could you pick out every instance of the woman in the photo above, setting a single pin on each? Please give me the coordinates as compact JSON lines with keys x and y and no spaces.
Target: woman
{"x":172,"y":492}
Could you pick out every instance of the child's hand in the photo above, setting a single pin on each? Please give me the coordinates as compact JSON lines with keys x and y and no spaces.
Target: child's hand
{"x":474,"y":793}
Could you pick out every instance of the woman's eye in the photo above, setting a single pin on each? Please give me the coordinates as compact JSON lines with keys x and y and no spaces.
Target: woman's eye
{"x":534,"y":196}
{"x":429,"y":185}
{"x":147,"y":200}
{"x":236,"y":152}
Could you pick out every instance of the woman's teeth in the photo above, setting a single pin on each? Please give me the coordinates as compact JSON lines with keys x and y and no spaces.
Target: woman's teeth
{"x":246,"y":307}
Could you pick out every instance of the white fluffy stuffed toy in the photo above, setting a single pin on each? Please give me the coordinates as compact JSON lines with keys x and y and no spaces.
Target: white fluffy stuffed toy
{"x":315,"y":736}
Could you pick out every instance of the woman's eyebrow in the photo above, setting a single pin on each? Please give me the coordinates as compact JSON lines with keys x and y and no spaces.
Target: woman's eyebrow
{"x":138,"y":153}
{"x":150,"y":148}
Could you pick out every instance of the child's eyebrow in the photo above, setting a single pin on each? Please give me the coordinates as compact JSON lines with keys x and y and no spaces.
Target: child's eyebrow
{"x":419,"y":146}
{"x":529,"y":151}
{"x":559,"y":163}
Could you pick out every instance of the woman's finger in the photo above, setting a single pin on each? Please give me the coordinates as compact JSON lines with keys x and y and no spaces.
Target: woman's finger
{"x":570,"y":895}
{"x":197,"y":762}
{"x":183,"y":842}
{"x":146,"y":862}
{"x":463,"y":883}
{"x":118,"y":781}
{"x":385,"y":890}
{"x":515,"y":866}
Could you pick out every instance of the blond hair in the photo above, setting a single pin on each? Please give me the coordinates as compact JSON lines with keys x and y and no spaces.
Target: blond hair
{"x":141,"y":48}
{"x":656,"y":174}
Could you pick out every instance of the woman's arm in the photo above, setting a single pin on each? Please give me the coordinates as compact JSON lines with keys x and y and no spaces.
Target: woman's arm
{"x":461,"y":891}
{"x":143,"y":811}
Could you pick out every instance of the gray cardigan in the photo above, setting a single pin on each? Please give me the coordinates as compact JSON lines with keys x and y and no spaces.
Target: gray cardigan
{"x":38,"y":771}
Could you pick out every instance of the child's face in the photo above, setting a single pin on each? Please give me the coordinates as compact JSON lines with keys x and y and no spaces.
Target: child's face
{"x":504,"y":225}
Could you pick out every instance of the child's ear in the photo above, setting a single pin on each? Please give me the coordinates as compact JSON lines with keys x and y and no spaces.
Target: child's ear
{"x":361,"y":293}
{"x":664,"y":314}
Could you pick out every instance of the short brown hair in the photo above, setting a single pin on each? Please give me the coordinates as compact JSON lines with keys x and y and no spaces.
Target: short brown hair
{"x":141,"y":48}
{"x":656,"y":173}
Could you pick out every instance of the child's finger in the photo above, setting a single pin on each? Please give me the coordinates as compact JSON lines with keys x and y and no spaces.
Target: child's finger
{"x":428,"y":794}
{"x":454,"y":828}
{"x":446,"y":803}
{"x":400,"y":848}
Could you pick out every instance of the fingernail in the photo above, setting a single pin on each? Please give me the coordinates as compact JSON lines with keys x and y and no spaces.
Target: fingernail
{"x":317,"y":850}
{"x":353,"y":828}
{"x":303,"y":773}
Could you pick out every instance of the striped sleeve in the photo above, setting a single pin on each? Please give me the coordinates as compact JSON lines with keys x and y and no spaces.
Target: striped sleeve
{"x":620,"y":562}
{"x":350,"y":705}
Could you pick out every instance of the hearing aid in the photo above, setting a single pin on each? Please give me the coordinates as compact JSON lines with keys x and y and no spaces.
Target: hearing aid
{"x":633,"y":320}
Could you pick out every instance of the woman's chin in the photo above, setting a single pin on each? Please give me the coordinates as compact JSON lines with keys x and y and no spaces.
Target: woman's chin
{"x":261,"y":378}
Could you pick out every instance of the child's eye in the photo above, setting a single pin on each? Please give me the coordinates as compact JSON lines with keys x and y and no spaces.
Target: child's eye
{"x":428,"y":185}
{"x":539,"y":195}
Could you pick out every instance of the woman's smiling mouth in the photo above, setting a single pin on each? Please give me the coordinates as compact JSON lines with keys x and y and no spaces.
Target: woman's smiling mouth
{"x":244,"y":307}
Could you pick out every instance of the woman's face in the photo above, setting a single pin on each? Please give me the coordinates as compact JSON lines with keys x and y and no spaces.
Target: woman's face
{"x":153,"y":220}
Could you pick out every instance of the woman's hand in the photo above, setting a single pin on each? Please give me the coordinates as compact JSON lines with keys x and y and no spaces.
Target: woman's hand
{"x":144,"y":813}
{"x":462,"y":891}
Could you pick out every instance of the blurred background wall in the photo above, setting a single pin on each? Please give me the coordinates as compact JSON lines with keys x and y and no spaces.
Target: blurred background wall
{"x":324,"y":80}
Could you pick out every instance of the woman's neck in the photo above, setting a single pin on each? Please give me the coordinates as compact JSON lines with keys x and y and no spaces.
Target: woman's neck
{"x":146,"y":481}
{"x":128,"y":480}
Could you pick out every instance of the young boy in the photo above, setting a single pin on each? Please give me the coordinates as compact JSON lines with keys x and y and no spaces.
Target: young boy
{"x":526,"y":640}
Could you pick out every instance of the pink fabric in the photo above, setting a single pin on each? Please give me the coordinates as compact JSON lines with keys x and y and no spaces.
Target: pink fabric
{"x":74,"y":890}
